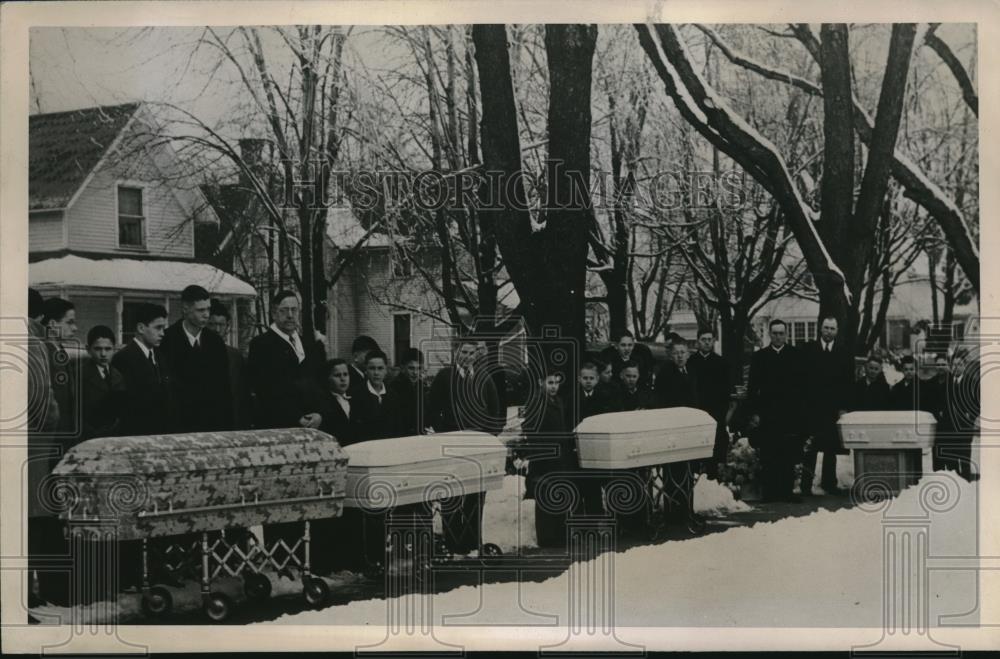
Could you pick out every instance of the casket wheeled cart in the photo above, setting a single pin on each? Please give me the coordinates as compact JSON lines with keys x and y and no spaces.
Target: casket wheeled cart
{"x":892,"y":450}
{"x":656,"y":450}
{"x":386,"y":474}
{"x":189,"y":499}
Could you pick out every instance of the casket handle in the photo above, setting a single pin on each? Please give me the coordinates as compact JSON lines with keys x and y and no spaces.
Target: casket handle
{"x":163,"y":497}
{"x":249,"y":488}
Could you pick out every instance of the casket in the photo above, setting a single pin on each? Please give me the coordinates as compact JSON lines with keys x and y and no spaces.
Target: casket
{"x":620,"y":440}
{"x":384,"y":473}
{"x":161,"y":485}
{"x":887,"y":430}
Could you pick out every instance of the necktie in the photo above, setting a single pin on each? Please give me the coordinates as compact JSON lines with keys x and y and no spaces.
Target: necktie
{"x":684,"y":370}
{"x":104,"y":373}
{"x":197,"y":343}
{"x":297,"y":345}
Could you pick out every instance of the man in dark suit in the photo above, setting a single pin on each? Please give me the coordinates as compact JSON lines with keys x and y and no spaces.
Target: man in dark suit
{"x":198,"y":365}
{"x":239,"y":385}
{"x":60,"y":324}
{"x":624,"y":350}
{"x":775,"y":401}
{"x":591,"y":398}
{"x":908,"y":394}
{"x":102,"y":386}
{"x":286,"y":370}
{"x":462,"y":398}
{"x":631,"y":396}
{"x":871,"y":392}
{"x":147,"y":408}
{"x":935,"y":388}
{"x":960,"y":417}
{"x":711,"y":377}
{"x":830,"y":370}
{"x":361,"y":346}
{"x":675,"y":383}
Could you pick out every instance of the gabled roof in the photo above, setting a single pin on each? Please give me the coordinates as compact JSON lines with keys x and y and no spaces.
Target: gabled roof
{"x":64,"y":148}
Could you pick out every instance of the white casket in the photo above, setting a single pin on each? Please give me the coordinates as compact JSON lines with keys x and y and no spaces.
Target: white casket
{"x":891,"y":449}
{"x":384,"y":473}
{"x":620,"y":440}
{"x":887,"y":430}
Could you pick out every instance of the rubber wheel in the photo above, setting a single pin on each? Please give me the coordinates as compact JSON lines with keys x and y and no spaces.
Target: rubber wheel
{"x":696,"y":524}
{"x":491,"y":550}
{"x":218,"y":607}
{"x":315,"y":591}
{"x":373,"y":571}
{"x":257,"y":586}
{"x":158,"y":601}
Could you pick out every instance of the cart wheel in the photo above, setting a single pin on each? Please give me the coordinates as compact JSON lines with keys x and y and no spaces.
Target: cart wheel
{"x":696,"y":524}
{"x":257,"y":586}
{"x":441,"y":547}
{"x":218,"y":607}
{"x":315,"y":591}
{"x":491,"y":550}
{"x":158,"y":601}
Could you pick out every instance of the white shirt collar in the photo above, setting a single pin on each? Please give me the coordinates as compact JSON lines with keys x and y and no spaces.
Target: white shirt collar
{"x":777,"y":349}
{"x":142,"y":346}
{"x":465,"y":371}
{"x":372,"y":389}
{"x":191,"y":337}
{"x":274,"y":328}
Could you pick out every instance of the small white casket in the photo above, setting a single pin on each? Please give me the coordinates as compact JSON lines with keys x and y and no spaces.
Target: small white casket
{"x":384,"y":473}
{"x":620,"y":440}
{"x":887,"y":430}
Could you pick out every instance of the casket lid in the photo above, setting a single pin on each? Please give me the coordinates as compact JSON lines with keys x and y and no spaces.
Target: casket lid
{"x":199,"y":451}
{"x":421,"y":448}
{"x":887,"y":418}
{"x":670,"y":418}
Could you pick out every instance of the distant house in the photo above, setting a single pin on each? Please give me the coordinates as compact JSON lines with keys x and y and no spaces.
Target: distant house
{"x":109,"y":224}
{"x":380,"y":295}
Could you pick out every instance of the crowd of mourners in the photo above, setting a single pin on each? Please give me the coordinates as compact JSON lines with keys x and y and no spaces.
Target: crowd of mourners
{"x":184,"y":377}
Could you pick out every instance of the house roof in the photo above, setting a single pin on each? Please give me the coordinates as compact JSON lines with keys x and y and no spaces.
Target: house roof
{"x":344,"y":230}
{"x":65,"y":147}
{"x":126,"y":274}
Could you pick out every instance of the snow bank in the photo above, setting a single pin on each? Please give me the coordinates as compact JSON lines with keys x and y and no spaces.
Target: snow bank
{"x":821,"y":570}
{"x":509,"y":520}
{"x":714,"y":499}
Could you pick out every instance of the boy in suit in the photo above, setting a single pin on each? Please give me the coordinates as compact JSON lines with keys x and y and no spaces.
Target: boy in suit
{"x":675,"y":385}
{"x":103,"y":387}
{"x":711,"y":377}
{"x":409,"y":395}
{"x":631,"y":395}
{"x":360,"y":348}
{"x":871,"y":392}
{"x":147,"y":407}
{"x":198,"y":365}
{"x":555,"y":460}
{"x":374,"y":408}
{"x":338,"y":413}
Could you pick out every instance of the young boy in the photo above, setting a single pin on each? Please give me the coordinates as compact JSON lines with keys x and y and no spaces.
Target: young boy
{"x":338,"y":414}
{"x":103,"y":387}
{"x":409,"y":395}
{"x":373,"y":407}
{"x":550,"y":465}
{"x":147,"y":408}
{"x":632,"y":396}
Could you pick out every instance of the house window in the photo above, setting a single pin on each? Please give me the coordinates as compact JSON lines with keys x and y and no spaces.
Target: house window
{"x":130,"y":217}
{"x":899,"y":334}
{"x":401,"y":266}
{"x":803,"y":331}
{"x":400,"y":334}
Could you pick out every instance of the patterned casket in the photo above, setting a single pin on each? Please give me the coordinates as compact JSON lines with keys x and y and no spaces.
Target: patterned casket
{"x":161,"y":485}
{"x":384,"y":473}
{"x":621,"y":440}
{"x":887,"y":430}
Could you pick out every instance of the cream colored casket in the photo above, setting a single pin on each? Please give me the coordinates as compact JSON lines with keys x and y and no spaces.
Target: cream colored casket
{"x":384,"y":473}
{"x":887,"y":430}
{"x":620,"y":440}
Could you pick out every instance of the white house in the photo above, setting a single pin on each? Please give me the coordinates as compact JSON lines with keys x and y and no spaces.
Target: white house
{"x":109,"y":224}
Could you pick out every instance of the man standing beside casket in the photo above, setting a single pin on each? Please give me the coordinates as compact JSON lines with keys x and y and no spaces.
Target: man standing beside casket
{"x":775,"y":399}
{"x":711,"y":377}
{"x":198,"y":366}
{"x":831,"y":373}
{"x":462,"y":398}
{"x":286,"y":370}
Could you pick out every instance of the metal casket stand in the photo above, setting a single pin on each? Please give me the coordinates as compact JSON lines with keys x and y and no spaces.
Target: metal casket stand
{"x":656,"y":451}
{"x":386,"y":474}
{"x":190,"y":499}
{"x":892,"y":449}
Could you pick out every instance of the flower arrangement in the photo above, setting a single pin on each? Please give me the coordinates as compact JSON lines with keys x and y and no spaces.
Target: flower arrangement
{"x":741,"y":468}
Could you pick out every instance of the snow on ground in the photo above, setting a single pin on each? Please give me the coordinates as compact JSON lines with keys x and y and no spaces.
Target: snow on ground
{"x":821,"y":570}
{"x":509,"y":520}
{"x":715,"y":500}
